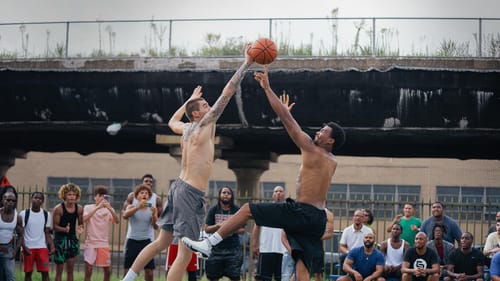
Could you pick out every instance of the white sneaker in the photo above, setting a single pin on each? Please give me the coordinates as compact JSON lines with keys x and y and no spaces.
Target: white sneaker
{"x":203,"y":247}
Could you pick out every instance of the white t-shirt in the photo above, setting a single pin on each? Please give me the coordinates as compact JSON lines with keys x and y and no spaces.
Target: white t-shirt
{"x":34,"y":232}
{"x":353,"y":238}
{"x":492,"y":242}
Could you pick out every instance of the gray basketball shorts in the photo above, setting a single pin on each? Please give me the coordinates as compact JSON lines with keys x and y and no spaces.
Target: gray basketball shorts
{"x":184,"y":210}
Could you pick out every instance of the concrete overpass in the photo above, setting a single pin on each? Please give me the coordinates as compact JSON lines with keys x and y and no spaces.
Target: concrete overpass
{"x":397,"y":107}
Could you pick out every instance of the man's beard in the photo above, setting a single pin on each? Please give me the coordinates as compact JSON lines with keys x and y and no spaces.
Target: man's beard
{"x":8,"y":208}
{"x":369,"y":244}
{"x":225,"y":201}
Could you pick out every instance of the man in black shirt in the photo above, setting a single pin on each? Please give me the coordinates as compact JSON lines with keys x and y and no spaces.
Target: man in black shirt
{"x":227,"y":257}
{"x":465,"y":263}
{"x":420,"y":263}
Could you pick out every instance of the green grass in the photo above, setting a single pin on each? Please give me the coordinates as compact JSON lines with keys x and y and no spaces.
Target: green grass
{"x":79,"y":276}
{"x":96,"y":276}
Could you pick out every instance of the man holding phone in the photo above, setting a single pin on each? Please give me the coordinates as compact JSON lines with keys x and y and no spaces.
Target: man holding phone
{"x":154,"y":200}
{"x":98,"y":216}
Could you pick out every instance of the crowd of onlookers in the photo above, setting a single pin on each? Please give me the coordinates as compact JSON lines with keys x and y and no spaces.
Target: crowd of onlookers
{"x":432,"y":250}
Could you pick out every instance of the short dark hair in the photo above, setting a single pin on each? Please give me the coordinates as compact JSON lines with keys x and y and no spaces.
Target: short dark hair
{"x":38,"y":193}
{"x":400,"y":227}
{"x":471,"y":236}
{"x":4,"y":190}
{"x":147,"y":176}
{"x":100,"y":189}
{"x":337,"y":134}
{"x":438,"y":202}
{"x":192,"y":105}
{"x":438,"y":225}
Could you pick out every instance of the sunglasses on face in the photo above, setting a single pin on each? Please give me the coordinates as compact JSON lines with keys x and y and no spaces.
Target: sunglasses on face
{"x":11,"y":200}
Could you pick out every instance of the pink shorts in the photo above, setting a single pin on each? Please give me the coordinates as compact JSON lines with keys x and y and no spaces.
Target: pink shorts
{"x":99,"y":256}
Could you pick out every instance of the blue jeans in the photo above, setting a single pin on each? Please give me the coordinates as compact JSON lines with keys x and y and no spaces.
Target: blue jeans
{"x":7,"y":264}
{"x":287,"y":267}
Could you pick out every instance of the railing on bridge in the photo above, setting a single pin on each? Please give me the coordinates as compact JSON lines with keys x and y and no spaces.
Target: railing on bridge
{"x":465,"y":214}
{"x":329,"y":36}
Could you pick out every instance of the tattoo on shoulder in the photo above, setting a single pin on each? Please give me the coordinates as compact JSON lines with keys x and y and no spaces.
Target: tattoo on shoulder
{"x":188,"y":131}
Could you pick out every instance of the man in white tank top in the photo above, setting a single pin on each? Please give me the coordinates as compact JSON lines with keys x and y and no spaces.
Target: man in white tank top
{"x":10,"y":223}
{"x":393,"y":250}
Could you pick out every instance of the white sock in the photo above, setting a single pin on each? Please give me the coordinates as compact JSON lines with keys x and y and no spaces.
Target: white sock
{"x":130,"y":276}
{"x":214,"y":239}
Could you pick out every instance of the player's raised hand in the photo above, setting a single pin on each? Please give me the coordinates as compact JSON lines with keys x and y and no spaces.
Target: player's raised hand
{"x":285,"y":100}
{"x":262,"y":77}
{"x":197,"y":93}
{"x":248,"y":58}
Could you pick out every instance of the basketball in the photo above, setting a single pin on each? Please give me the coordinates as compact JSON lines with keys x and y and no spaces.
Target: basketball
{"x":263,"y":51}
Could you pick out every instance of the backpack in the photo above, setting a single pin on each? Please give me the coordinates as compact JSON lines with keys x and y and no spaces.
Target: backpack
{"x":27,"y":215}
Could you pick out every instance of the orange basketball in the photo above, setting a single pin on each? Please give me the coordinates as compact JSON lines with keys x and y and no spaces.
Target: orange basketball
{"x":264,"y":51}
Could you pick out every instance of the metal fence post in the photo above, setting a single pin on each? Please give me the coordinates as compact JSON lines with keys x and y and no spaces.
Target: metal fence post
{"x":373,"y":38}
{"x":169,"y":37}
{"x":271,"y":29}
{"x":480,"y":38}
{"x":67,"y":39}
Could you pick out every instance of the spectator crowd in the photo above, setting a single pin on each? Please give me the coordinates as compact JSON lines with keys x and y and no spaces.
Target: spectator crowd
{"x":429,"y":250}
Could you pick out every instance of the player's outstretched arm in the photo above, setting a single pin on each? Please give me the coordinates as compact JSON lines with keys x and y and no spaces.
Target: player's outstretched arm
{"x":175,"y":123}
{"x":301,"y":139}
{"x":229,"y":90}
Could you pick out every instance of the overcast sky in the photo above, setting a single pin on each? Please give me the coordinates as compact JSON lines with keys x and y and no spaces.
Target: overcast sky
{"x":67,"y":10}
{"x":409,"y":36}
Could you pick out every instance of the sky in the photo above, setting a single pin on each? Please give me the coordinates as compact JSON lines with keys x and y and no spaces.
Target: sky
{"x":72,"y":10}
{"x":189,"y":36}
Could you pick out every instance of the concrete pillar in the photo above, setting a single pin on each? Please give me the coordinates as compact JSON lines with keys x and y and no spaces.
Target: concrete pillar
{"x":8,"y":159}
{"x":248,"y":168}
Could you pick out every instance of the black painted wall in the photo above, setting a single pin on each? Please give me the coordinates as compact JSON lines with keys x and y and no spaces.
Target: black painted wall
{"x":398,"y":99}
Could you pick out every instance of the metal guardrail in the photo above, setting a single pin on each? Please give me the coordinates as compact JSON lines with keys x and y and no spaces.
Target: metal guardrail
{"x":329,"y":36}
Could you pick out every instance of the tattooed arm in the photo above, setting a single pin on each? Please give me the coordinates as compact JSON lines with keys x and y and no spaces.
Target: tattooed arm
{"x":216,"y":111}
